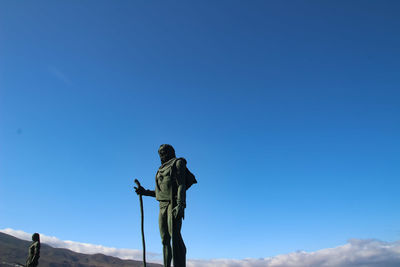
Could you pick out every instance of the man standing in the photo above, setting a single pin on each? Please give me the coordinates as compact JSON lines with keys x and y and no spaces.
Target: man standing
{"x":172,"y":181}
{"x":34,"y":251}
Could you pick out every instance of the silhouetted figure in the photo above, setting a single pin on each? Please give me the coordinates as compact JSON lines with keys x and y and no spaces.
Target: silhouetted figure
{"x":172,"y":181}
{"x":34,"y":251}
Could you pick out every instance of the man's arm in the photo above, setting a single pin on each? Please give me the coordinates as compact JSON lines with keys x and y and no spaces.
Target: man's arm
{"x":181,"y":192}
{"x":36,"y":253}
{"x":31,"y":254}
{"x":149,"y":193}
{"x":144,"y":192}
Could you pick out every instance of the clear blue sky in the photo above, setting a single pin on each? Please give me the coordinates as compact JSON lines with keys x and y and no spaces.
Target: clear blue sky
{"x":288,"y":112}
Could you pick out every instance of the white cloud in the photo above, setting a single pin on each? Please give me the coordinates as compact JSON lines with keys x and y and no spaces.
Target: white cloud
{"x":59,"y":74}
{"x":360,"y":253}
{"x":123,"y":253}
{"x":356,"y":253}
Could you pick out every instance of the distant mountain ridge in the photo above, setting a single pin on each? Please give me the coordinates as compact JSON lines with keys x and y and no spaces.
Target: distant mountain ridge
{"x":13,"y":251}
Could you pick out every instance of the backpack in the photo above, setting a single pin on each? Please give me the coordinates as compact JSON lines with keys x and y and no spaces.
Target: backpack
{"x":190,"y":179}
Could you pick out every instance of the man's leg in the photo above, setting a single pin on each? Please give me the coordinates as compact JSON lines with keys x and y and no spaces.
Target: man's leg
{"x":165,"y":236}
{"x":178,"y":246}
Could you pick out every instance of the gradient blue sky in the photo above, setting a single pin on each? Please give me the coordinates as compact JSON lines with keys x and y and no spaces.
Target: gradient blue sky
{"x":288,"y":113}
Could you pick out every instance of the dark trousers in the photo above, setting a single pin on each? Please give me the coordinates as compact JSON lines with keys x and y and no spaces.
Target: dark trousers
{"x":171,"y":227}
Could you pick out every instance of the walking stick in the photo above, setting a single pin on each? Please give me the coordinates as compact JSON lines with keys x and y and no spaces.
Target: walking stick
{"x":142,"y":221}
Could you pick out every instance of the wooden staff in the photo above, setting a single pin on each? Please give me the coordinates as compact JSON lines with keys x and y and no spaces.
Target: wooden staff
{"x":142,"y":222}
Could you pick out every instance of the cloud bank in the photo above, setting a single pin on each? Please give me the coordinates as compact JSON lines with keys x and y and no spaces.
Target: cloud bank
{"x":356,"y":253}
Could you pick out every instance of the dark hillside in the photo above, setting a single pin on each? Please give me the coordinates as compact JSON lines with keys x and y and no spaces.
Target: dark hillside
{"x":14,"y":251}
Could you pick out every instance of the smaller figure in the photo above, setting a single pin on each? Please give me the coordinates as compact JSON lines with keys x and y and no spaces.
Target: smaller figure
{"x":34,"y":251}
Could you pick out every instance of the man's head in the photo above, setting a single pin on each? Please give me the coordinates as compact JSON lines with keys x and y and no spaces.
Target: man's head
{"x":35,"y":237}
{"x":166,"y":152}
